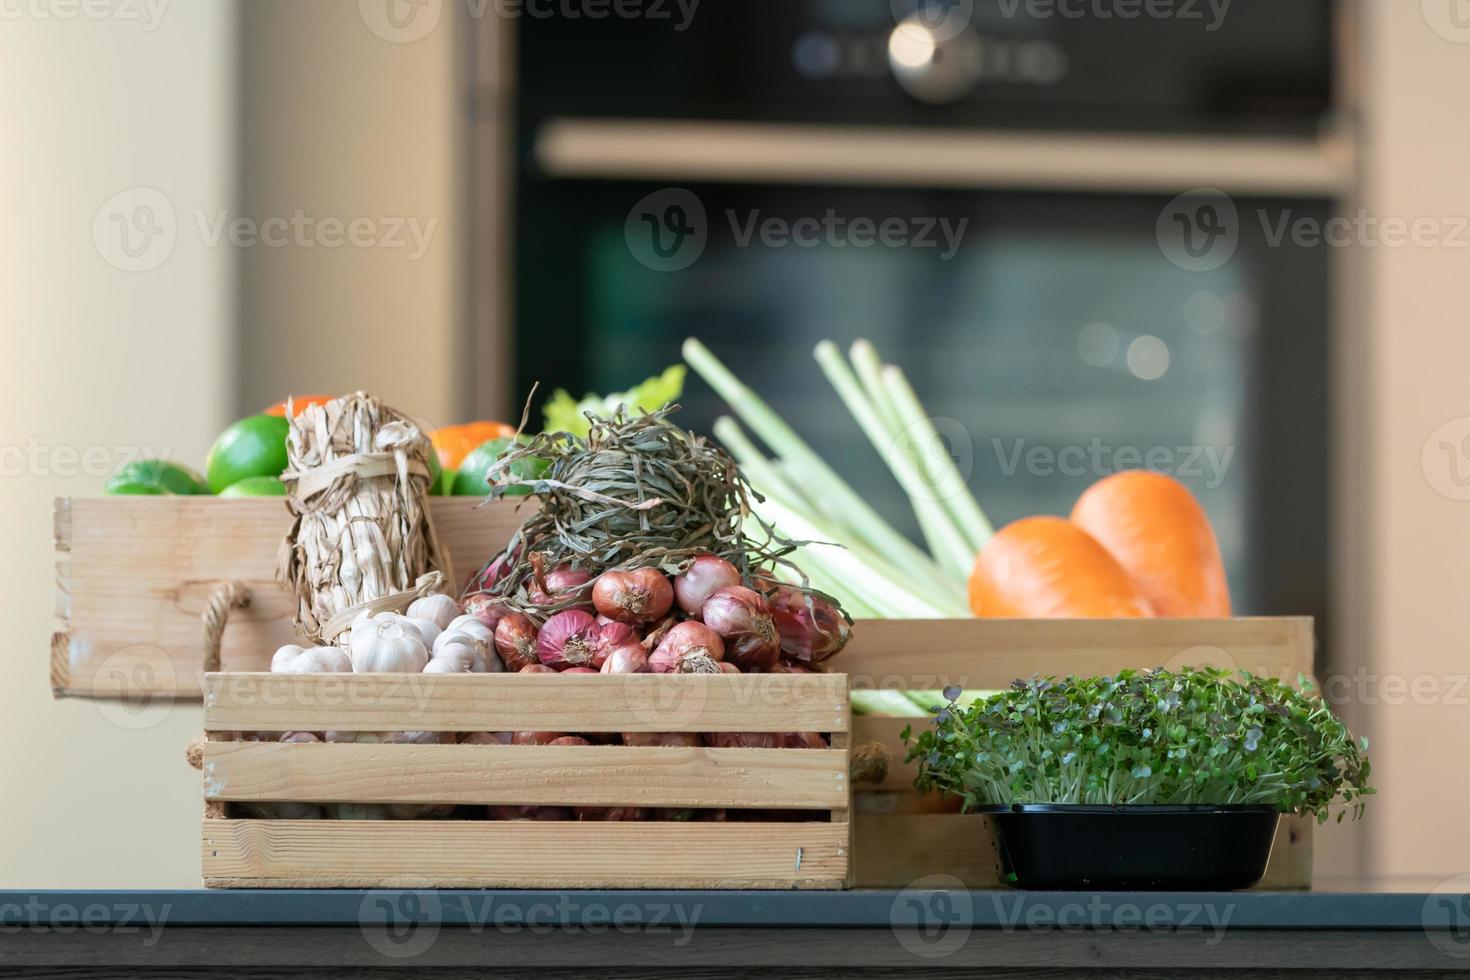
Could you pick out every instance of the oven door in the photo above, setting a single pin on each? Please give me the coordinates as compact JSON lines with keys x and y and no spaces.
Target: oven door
{"x":1058,"y":337}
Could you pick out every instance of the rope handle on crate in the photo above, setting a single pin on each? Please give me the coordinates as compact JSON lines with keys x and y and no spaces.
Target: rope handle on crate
{"x":229,"y":595}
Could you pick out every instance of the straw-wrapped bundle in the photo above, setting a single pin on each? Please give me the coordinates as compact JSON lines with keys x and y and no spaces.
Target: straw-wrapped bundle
{"x":363,"y":540}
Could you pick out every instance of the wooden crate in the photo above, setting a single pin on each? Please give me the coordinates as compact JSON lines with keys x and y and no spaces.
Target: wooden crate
{"x":261,"y":853}
{"x":901,"y":836}
{"x":133,"y":576}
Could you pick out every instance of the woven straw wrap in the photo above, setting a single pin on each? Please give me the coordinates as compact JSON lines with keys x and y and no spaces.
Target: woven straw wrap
{"x":363,"y":540}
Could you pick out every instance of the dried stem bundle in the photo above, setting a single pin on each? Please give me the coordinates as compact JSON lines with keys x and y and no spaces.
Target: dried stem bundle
{"x":363,"y":539}
{"x":635,"y":493}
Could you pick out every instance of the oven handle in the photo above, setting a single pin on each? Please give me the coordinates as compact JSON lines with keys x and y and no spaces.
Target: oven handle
{"x":783,"y":153}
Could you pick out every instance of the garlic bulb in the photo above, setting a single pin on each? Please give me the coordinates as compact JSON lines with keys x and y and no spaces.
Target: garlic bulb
{"x":388,"y":644}
{"x":285,"y":653}
{"x":317,"y":660}
{"x":428,"y":630}
{"x":461,"y":648}
{"x":440,"y":609}
{"x":474,"y":627}
{"x":448,"y":665}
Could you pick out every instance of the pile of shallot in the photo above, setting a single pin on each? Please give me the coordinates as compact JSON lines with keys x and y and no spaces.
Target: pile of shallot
{"x":703,"y":620}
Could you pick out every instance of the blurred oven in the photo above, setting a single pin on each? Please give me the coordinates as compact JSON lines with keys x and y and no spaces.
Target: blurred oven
{"x":1067,"y":231}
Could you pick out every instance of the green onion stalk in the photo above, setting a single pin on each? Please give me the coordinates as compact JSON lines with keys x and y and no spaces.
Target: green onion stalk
{"x":861,"y":558}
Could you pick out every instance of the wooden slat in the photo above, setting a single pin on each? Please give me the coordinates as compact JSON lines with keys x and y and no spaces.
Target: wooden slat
{"x":137,"y":572}
{"x":610,"y":775}
{"x":526,"y":702}
{"x":522,"y":854}
{"x":990,"y":653}
{"x":896,"y":851}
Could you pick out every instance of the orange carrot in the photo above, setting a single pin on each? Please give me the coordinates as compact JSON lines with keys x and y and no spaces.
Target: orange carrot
{"x":1047,"y":567}
{"x":1157,"y":531}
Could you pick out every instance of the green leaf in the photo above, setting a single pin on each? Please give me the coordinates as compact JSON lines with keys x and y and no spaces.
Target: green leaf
{"x":563,"y":413}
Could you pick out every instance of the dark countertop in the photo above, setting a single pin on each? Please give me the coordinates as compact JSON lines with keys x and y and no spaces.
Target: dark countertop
{"x":1414,"y":926}
{"x":1347,"y":908}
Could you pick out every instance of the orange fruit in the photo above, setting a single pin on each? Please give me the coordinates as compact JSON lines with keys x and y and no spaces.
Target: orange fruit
{"x":298,"y":402}
{"x":454,"y":442}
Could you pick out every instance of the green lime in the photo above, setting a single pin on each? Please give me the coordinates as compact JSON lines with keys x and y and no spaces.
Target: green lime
{"x":253,"y":446}
{"x":159,"y":473}
{"x":135,"y":489}
{"x":470,"y":481}
{"x":436,"y":473}
{"x":256,"y":486}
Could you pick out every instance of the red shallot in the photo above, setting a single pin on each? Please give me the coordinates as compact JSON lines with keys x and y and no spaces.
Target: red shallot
{"x":569,"y":740}
{"x":636,"y":595}
{"x":536,"y":669}
{"x":744,"y":740}
{"x":706,"y":575}
{"x":811,"y":628}
{"x":686,"y":740}
{"x":515,"y":640}
{"x":569,"y":639}
{"x":561,"y":586}
{"x":743,"y":620}
{"x":535,"y":738}
{"x":688,"y":648}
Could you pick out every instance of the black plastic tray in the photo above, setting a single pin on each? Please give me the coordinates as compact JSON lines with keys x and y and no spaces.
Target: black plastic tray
{"x":1054,"y":845}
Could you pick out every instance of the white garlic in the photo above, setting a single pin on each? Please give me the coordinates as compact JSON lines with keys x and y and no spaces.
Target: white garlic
{"x":388,"y":644}
{"x":439,"y":608}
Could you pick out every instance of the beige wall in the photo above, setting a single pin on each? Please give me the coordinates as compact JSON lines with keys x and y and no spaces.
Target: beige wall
{"x":1417,"y":326}
{"x":327,"y":118}
{"x":99,"y":363}
{"x":355,"y":121}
